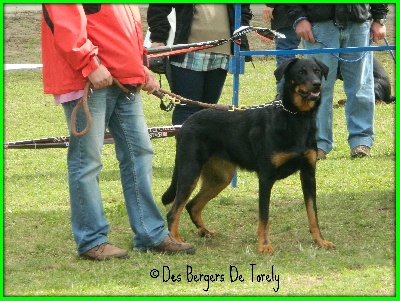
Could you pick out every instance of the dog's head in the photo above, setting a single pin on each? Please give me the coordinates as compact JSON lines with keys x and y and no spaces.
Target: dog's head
{"x":302,"y":88}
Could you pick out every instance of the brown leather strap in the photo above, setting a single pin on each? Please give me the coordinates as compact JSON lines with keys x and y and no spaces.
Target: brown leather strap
{"x":83,"y":102}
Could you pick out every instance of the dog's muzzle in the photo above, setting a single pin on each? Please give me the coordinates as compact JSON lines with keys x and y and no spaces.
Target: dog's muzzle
{"x":311,"y":95}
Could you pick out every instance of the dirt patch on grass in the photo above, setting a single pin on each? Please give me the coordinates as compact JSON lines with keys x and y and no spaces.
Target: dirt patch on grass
{"x":22,"y":37}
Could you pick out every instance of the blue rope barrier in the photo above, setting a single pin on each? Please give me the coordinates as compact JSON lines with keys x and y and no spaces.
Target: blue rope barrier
{"x":342,"y":59}
{"x":313,"y":51}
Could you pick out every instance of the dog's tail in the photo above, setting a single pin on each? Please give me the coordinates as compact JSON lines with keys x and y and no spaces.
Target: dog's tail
{"x":169,"y":195}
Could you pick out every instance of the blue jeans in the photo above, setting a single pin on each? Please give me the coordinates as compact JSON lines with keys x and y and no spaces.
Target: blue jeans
{"x":358,"y":83}
{"x":291,"y":42}
{"x":110,"y":108}
{"x":204,"y":86}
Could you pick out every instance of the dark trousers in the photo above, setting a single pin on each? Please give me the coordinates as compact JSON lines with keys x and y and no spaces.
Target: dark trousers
{"x":204,"y":86}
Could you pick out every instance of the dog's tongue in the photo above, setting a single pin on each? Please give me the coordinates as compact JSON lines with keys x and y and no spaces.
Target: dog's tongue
{"x":315,"y":94}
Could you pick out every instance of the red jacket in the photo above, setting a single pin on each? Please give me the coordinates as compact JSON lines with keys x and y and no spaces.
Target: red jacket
{"x":74,"y":34}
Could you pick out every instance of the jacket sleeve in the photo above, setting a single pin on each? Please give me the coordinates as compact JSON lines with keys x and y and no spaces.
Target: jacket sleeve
{"x":157,"y":19}
{"x":294,"y":12}
{"x":379,"y":11}
{"x":247,"y":14}
{"x":68,"y":25}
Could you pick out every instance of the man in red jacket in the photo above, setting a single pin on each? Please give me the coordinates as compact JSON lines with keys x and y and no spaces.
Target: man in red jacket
{"x":96,"y":42}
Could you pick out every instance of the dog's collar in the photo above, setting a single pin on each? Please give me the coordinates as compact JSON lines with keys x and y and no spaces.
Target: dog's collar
{"x":276,"y":103}
{"x":279,"y":103}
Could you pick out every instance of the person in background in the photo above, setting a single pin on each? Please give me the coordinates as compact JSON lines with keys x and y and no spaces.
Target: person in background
{"x":276,"y":15}
{"x":96,"y":42}
{"x":198,"y":75}
{"x":340,"y":26}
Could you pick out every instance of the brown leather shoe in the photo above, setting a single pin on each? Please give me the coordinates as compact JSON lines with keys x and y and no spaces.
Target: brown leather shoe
{"x":105,"y":251}
{"x":360,"y":151}
{"x":171,"y":246}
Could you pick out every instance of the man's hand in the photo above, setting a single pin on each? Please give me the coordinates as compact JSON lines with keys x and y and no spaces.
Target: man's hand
{"x":378,"y":32}
{"x":157,"y":44}
{"x":267,"y":14}
{"x":304,"y":31}
{"x":100,"y":78}
{"x":151,"y":84}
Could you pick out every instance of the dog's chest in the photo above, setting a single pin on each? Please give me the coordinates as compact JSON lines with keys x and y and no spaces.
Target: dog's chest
{"x":294,"y":138}
{"x":286,"y":164}
{"x":293,"y":144}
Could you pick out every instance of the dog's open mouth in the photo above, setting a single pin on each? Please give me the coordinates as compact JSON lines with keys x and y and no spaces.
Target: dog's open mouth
{"x":311,"y":95}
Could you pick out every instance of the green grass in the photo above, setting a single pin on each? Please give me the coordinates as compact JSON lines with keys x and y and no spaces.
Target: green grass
{"x":356,"y":202}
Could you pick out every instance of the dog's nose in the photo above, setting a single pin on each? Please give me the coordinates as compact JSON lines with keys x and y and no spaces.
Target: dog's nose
{"x":316,"y":83}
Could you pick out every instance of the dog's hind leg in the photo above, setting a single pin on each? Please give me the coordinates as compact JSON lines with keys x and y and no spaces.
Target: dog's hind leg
{"x":173,"y":216}
{"x":308,"y":183}
{"x":169,"y":195}
{"x":215,"y":175}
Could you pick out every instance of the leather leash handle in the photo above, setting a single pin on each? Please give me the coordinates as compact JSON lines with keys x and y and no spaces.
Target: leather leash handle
{"x":83,"y":102}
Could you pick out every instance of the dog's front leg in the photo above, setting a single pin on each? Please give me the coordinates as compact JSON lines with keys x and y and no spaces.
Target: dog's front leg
{"x":308,"y":182}
{"x":265,"y":187}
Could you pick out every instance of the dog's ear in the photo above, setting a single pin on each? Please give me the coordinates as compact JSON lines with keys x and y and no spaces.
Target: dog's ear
{"x":286,"y":65}
{"x":324,"y":68}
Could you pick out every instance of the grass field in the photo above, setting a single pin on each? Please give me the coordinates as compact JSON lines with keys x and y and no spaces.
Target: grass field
{"x":356,"y":202}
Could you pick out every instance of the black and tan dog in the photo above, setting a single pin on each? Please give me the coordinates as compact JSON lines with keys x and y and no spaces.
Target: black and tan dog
{"x":274,"y":141}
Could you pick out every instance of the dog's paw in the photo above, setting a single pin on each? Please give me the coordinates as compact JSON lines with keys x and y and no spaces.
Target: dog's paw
{"x":325,"y":244}
{"x":203,"y":232}
{"x":265,"y":249}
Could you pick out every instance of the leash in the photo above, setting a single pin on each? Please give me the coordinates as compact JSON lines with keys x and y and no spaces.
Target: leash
{"x":83,"y":102}
{"x":175,"y":99}
{"x":342,"y":59}
{"x":391,"y":52}
{"x":161,"y":94}
{"x":164,"y":96}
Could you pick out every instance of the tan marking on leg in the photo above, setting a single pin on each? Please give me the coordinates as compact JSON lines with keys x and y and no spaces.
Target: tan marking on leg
{"x":311,"y":156}
{"x":264,"y":244}
{"x":216,"y":175}
{"x":314,"y":227}
{"x":174,"y":226}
